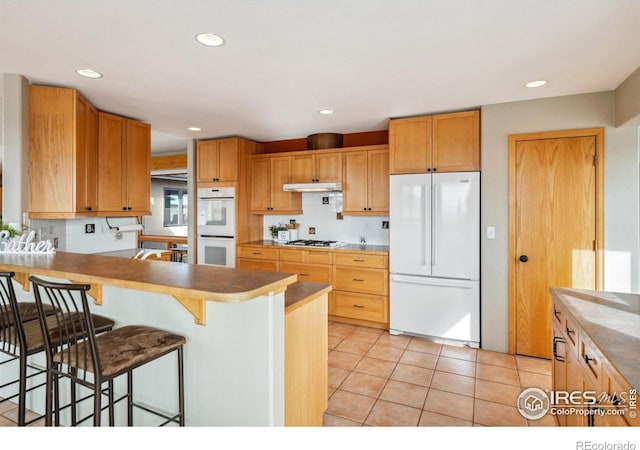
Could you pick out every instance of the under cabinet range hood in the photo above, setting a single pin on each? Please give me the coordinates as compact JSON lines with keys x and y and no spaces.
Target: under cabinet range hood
{"x":313,"y":187}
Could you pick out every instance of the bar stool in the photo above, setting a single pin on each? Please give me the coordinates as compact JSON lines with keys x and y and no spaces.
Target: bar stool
{"x":21,"y":337}
{"x":99,"y":359}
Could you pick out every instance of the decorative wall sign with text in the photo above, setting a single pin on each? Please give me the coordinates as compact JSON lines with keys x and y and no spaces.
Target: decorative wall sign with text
{"x":25,"y":244}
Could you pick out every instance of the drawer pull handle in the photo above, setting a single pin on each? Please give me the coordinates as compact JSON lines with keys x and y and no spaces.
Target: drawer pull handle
{"x":556,"y":340}
{"x":587,"y":359}
{"x":304,"y":274}
{"x":556,"y":313}
{"x":358,"y":306}
{"x":358,"y":279}
{"x":359,"y":260}
{"x":569,"y":331}
{"x":257,"y":253}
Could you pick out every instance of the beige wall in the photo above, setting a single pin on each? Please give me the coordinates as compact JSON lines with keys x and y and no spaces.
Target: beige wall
{"x":622,"y":240}
{"x":628,"y":101}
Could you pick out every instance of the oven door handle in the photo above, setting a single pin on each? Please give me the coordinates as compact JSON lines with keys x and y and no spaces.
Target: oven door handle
{"x":215,"y":236}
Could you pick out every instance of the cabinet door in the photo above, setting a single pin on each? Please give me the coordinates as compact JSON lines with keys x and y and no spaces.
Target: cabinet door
{"x":303,"y":169}
{"x":260,"y":185}
{"x":456,"y":141}
{"x":86,"y":195}
{"x":410,"y":145}
{"x":207,"y":158}
{"x":328,"y":167}
{"x":111,"y":143}
{"x":280,"y":174}
{"x":138,"y":162}
{"x":354,"y":187}
{"x":378,"y":181}
{"x":227,"y":160}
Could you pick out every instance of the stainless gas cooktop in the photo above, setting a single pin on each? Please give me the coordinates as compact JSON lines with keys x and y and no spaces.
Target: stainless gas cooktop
{"x":315,"y":243}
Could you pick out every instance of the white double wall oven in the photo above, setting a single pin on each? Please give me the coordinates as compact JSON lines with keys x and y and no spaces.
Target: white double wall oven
{"x":216,"y":226}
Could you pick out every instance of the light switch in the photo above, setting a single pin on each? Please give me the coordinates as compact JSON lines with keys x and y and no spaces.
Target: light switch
{"x":491,"y":232}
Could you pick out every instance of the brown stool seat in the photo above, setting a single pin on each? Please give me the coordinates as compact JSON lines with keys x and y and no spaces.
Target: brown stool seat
{"x":124,"y":349}
{"x":28,"y":311}
{"x":33,"y":330}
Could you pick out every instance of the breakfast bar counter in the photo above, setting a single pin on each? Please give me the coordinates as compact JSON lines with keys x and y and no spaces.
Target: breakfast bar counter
{"x":235,"y":350}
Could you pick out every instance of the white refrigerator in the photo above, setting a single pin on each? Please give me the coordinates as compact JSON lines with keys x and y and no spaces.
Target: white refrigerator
{"x":434,"y":251}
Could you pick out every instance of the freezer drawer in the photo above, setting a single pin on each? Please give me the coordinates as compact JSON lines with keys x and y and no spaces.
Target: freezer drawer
{"x":435,"y":307}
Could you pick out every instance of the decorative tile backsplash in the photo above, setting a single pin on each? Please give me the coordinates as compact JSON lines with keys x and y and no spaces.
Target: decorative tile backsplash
{"x":320,"y":212}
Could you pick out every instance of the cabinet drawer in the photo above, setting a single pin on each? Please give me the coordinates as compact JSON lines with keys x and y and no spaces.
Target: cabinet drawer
{"x":258,"y":264}
{"x":308,"y":272}
{"x":308,"y":256}
{"x":258,"y":253}
{"x":591,"y":360}
{"x":364,"y":280}
{"x":360,"y":306}
{"x":360,"y":260}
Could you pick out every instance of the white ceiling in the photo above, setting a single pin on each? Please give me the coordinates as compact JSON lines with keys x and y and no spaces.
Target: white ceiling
{"x":284,"y":60}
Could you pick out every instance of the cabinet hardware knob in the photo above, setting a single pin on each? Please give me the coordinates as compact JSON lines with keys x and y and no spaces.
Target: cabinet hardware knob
{"x":428,"y":169}
{"x":523,"y":258}
{"x":369,"y":209}
{"x":89,"y":208}
{"x":435,"y":168}
{"x":124,"y":208}
{"x":358,"y":306}
{"x":587,"y":359}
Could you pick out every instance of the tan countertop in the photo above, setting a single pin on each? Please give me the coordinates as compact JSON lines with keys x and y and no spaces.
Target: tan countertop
{"x":131,"y":252}
{"x":300,"y":293}
{"x":181,"y":280}
{"x":612,"y":321}
{"x":384,"y":249}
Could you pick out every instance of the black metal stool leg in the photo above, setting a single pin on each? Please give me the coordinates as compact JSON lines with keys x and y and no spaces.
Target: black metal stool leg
{"x":111,"y":405}
{"x":74,"y":415}
{"x":22,"y":390}
{"x":130,"y":398}
{"x":181,"y":385}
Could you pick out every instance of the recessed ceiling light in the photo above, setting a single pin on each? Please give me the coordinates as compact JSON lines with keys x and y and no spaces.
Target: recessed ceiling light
{"x":326,"y":112}
{"x":194,"y":129}
{"x":88,"y":73}
{"x":209,"y":39}
{"x":535,"y":84}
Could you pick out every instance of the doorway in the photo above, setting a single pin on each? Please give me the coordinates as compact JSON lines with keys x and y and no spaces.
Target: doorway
{"x":556,"y":182}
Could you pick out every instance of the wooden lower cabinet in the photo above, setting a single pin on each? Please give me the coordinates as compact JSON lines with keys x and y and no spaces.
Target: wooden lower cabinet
{"x":360,"y":280}
{"x":306,"y":364}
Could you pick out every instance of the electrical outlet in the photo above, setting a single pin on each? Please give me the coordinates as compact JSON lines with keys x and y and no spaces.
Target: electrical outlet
{"x":312,"y":230}
{"x":339,"y":216}
{"x":325,"y":200}
{"x":90,"y":228}
{"x":55,"y":242}
{"x":385,"y":224}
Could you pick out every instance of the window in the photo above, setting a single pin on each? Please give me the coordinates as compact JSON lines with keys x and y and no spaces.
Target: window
{"x":176,"y":207}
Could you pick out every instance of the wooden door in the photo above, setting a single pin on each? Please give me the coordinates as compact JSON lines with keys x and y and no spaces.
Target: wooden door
{"x":111,"y":142}
{"x":410,"y":145}
{"x":456,"y":141}
{"x":555,"y":228}
{"x":227,"y":160}
{"x":138,"y":163}
{"x":207,"y":161}
{"x":303,"y":169}
{"x":260,"y":185}
{"x":378,"y":181}
{"x":355,"y":174}
{"x":328,"y":167}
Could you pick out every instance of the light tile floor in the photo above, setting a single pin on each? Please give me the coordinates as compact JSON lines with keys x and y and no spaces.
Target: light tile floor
{"x":376,"y":379}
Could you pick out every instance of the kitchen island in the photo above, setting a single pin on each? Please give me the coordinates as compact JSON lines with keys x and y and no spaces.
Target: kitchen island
{"x":234,"y":322}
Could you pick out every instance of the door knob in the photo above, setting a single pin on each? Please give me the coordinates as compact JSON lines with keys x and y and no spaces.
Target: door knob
{"x":524,"y":258}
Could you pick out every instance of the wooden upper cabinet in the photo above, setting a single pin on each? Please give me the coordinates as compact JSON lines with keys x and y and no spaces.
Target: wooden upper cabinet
{"x":62,"y":153}
{"x":366,"y":182}
{"x":267,"y":177}
{"x":217,"y":160}
{"x":410,"y":145}
{"x":124,"y":155}
{"x":442,"y":143}
{"x":316,"y":168}
{"x":456,"y":141}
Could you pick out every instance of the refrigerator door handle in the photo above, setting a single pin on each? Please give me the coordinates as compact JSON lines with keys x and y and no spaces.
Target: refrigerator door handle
{"x":464,"y":284}
{"x":425,"y":213}
{"x":434,"y":223}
